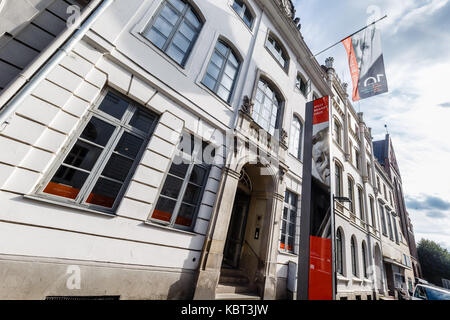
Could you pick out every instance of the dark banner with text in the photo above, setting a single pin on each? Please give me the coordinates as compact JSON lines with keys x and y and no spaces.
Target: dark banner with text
{"x":365,"y":58}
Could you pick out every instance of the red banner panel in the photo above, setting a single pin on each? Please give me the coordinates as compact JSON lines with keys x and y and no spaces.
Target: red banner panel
{"x":321,"y":112}
{"x":320,"y":272}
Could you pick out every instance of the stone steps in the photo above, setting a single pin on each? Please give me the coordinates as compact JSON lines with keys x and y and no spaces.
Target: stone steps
{"x":237,"y":296}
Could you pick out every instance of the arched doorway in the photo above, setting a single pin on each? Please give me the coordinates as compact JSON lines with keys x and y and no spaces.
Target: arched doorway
{"x":241,"y":249}
{"x":248,"y":241}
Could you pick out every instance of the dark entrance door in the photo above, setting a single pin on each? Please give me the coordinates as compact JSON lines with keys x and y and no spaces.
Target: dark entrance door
{"x":236,"y":230}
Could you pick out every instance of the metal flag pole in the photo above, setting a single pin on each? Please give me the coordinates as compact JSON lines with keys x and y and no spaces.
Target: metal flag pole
{"x":349,"y":36}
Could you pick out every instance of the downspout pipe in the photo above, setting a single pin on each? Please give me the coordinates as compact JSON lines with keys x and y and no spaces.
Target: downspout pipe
{"x":8,"y":111}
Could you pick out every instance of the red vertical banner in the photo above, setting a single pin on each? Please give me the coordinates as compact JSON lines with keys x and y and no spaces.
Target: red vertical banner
{"x":354,"y":69}
{"x":320,"y":270}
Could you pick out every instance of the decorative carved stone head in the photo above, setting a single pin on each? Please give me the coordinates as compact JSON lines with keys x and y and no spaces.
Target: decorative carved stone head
{"x":247,"y":106}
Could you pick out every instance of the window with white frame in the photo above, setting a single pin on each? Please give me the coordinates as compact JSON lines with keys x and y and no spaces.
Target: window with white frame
{"x":361,"y":204}
{"x":364,"y":259}
{"x":277,"y":51}
{"x":267,"y":107}
{"x":338,"y":180}
{"x":223,"y":68}
{"x":183,"y":188}
{"x":391,"y":234}
{"x":95,"y":171}
{"x":354,"y":257}
{"x":289,"y":222}
{"x":243,"y":11}
{"x":339,"y":253}
{"x":394,"y":222}
{"x":351,"y":194}
{"x":302,"y":84}
{"x":372,"y":212}
{"x":295,"y":146}
{"x":174,"y":29}
{"x":338,"y":132}
{"x":383,"y":220}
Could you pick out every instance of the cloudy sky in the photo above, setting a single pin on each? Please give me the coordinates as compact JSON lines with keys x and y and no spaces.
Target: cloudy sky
{"x":416,"y":45}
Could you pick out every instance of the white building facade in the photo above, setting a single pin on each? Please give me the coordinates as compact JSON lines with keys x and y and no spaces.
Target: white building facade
{"x":150,"y":152}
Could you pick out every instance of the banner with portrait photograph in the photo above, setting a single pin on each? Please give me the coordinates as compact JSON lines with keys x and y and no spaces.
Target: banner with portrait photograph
{"x":365,"y":57}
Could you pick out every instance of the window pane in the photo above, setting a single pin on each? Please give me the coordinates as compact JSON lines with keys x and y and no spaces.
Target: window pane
{"x":98,"y":131}
{"x":181,"y":42}
{"x":179,"y":5}
{"x":117,"y":168}
{"x":66,"y":183}
{"x":222,"y":48}
{"x":213,"y":71}
{"x":224,"y":93}
{"x":83,"y":155}
{"x":163,"y":26}
{"x":290,"y":246}
{"x":190,"y":16}
{"x":192,"y":194}
{"x":164,"y":209}
{"x":176,"y":54}
{"x":114,"y":105}
{"x":209,"y":82}
{"x":227,"y":82}
{"x":156,"y":38}
{"x":217,"y":59}
{"x":198,"y":175}
{"x":171,"y":15}
{"x":248,"y":18}
{"x":185,"y":216}
{"x":104,"y":193}
{"x":129,"y":145}
{"x":230,"y":71}
{"x":179,"y":170}
{"x":187,"y":31}
{"x":172,"y":187}
{"x":142,"y":121}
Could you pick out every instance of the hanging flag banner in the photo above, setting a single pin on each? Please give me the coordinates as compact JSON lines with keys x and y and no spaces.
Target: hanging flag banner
{"x":365,"y":57}
{"x":315,"y":258}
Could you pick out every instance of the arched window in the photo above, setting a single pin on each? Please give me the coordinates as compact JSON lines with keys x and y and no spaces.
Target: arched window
{"x":295,"y":146}
{"x":364,"y":259}
{"x":244,"y":12}
{"x":339,"y":252}
{"x":223,"y":68}
{"x":175,"y":29}
{"x":350,"y":194}
{"x":277,"y":51}
{"x":266,"y":111}
{"x":361,"y":204}
{"x":338,"y":180}
{"x":354,"y":257}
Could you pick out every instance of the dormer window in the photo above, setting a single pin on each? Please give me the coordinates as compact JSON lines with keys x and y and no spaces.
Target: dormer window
{"x":277,"y":51}
{"x":244,"y":12}
{"x":302,"y":85}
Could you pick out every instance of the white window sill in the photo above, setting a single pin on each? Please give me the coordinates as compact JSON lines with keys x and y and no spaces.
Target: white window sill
{"x":160,"y":226}
{"x":342,"y":278}
{"x":357,"y":280}
{"x":289,"y":254}
{"x":67,"y":205}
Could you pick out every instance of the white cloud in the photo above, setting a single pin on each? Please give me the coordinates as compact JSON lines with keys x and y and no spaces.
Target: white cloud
{"x":417,"y":58}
